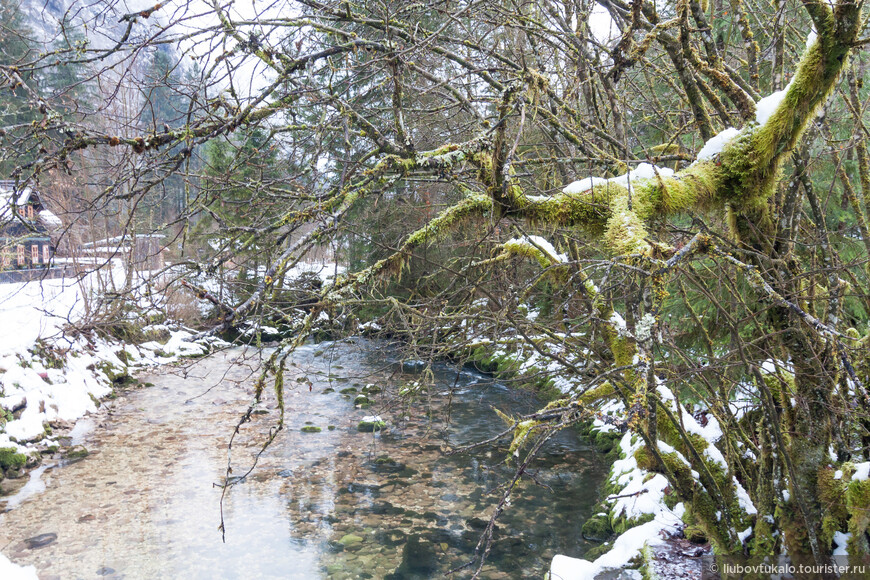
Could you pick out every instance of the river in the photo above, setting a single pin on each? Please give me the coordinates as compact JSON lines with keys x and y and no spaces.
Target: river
{"x":334,"y":503}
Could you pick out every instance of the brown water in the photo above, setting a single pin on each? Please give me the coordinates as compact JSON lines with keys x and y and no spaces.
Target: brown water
{"x":333,"y":504}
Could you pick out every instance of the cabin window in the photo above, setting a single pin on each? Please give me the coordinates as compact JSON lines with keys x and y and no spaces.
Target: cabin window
{"x":28,"y":211}
{"x":7,"y":257}
{"x":34,"y":254}
{"x":22,"y":261}
{"x":46,"y":254}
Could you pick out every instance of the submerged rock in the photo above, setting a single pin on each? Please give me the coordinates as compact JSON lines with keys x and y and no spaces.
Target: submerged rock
{"x":371,"y":389}
{"x":40,"y":541}
{"x":76,"y":453}
{"x":349,"y":540}
{"x":371,"y":424}
{"x":419,"y":556}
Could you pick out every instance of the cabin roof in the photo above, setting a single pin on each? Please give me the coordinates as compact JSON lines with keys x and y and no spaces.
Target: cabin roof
{"x":9,"y":197}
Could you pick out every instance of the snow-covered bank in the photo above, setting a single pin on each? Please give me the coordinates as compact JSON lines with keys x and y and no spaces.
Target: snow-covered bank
{"x":48,"y":374}
{"x":641,"y":498}
{"x":51,"y":376}
{"x":641,"y":514}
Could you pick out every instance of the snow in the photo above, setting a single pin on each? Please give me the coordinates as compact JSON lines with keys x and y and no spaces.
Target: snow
{"x":649,"y":171}
{"x":744,"y":534}
{"x":642,"y":171}
{"x":716,"y":143}
{"x":49,"y":219}
{"x":10,"y":571}
{"x":34,"y":315}
{"x":766,"y":107}
{"x":646,"y":496}
{"x":842,"y":541}
{"x":862,"y":471}
{"x":22,"y":310}
{"x":325,"y":270}
{"x":617,"y":321}
{"x":582,"y":185}
{"x":626,"y":547}
{"x":743,"y":498}
{"x":539,"y":243}
{"x":838,"y":474}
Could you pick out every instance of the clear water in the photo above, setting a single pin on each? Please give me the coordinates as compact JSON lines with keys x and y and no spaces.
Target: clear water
{"x":334,"y":504}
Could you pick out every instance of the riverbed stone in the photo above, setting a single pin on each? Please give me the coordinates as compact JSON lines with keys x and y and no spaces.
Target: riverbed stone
{"x":371,"y":425}
{"x":371,"y":389}
{"x":349,"y":540}
{"x":41,"y":540}
{"x":76,"y":452}
{"x":419,"y":556}
{"x":311,"y":429}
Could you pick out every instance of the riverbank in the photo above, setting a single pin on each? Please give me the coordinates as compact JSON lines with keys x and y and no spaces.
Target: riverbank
{"x":49,"y":382}
{"x":639,"y":525}
{"x":51,"y":375}
{"x":327,"y":499}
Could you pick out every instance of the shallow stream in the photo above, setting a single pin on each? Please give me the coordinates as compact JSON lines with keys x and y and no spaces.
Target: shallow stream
{"x":335,"y":503}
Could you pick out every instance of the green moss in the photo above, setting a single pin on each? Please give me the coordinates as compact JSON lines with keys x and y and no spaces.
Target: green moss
{"x":832,"y":496}
{"x":362,"y":401}
{"x":11,"y":459}
{"x":311,"y":429}
{"x":858,"y":505}
{"x":595,"y":552}
{"x":621,"y":523}
{"x":603,"y":391}
{"x":597,"y":528}
{"x":112,"y":372}
{"x":371,"y":426}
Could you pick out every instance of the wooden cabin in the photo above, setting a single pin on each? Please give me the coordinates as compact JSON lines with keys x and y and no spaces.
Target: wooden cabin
{"x":26,"y":226}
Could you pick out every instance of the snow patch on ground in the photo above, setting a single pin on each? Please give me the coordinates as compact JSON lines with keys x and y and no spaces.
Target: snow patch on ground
{"x":626,"y":547}
{"x":10,"y":571}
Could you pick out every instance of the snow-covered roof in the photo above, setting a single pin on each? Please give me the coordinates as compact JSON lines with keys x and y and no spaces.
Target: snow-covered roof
{"x":7,"y":198}
{"x":6,"y":191}
{"x":113,"y":242}
{"x":49,"y":220}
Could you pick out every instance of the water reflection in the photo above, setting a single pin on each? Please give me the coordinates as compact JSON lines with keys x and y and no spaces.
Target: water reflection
{"x":332,"y":504}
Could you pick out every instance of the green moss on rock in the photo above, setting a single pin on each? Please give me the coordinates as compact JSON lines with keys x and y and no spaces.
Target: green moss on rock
{"x":11,"y":459}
